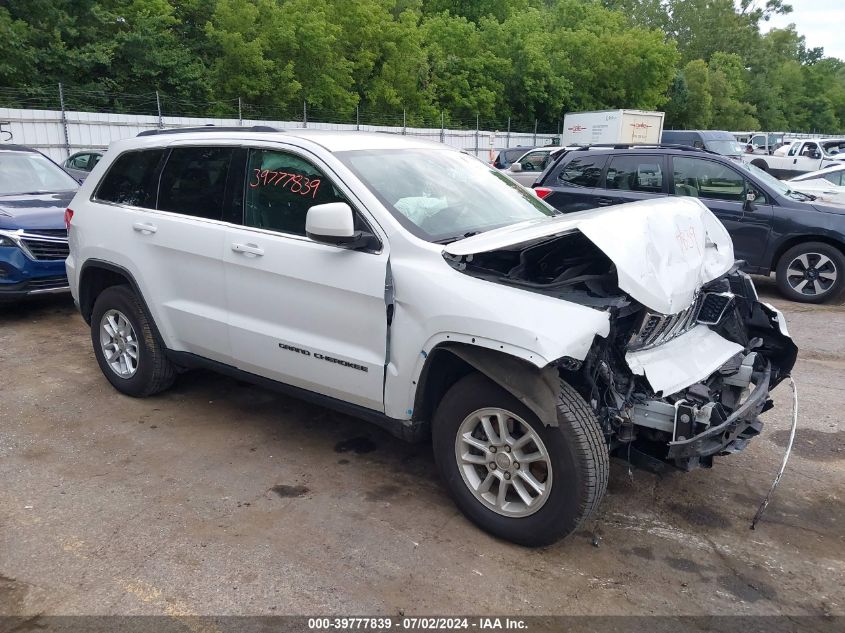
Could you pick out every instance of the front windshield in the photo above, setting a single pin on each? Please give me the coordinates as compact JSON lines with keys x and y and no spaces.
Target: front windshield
{"x":778,"y":185}
{"x":442,"y":195}
{"x":725,"y":148}
{"x":28,"y":172}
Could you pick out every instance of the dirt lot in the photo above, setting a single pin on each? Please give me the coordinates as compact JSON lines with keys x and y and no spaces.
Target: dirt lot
{"x":222,"y":498}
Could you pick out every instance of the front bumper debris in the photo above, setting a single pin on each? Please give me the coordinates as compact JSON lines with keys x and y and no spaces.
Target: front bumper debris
{"x":733,"y":434}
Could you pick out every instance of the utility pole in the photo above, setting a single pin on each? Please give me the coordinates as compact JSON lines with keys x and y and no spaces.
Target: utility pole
{"x":158,"y":107}
{"x":535,"y":132}
{"x":508,"y":139}
{"x":357,"y":118}
{"x":476,"y":136}
{"x":442,"y":128}
{"x":304,"y":114}
{"x":240,"y":113}
{"x":403,"y":122}
{"x":64,"y":117}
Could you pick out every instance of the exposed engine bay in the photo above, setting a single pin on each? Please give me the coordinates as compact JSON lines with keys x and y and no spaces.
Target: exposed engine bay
{"x":646,"y":418}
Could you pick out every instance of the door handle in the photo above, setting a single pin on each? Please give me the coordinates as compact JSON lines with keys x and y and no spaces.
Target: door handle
{"x":603,"y":202}
{"x":145,"y":228}
{"x":248,"y":249}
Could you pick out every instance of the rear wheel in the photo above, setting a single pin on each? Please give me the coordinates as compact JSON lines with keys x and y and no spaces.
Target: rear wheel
{"x":129,"y":355}
{"x":512,"y":475}
{"x":813,"y":272}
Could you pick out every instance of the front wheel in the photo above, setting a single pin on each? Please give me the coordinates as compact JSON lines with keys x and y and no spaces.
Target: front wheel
{"x":512,"y":475}
{"x":813,"y":272}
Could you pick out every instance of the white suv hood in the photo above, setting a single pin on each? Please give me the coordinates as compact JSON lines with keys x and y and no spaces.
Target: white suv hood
{"x":664,"y":250}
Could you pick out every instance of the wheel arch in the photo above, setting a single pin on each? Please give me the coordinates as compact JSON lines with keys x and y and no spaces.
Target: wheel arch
{"x":762,"y":164}
{"x":537,"y":388}
{"x":795,"y":240}
{"x":97,"y":275}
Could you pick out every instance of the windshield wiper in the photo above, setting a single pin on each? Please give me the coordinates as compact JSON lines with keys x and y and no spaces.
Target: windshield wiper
{"x":449,"y":240}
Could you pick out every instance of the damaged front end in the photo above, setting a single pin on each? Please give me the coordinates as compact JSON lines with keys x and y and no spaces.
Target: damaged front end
{"x":638,"y":378}
{"x":691,"y":356}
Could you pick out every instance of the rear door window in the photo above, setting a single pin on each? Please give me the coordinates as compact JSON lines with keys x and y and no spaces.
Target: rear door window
{"x":835,"y":177}
{"x":193,"y":181}
{"x":636,"y":173}
{"x":132,"y":179}
{"x":582,"y":171}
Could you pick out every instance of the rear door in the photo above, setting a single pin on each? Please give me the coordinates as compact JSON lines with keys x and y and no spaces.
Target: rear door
{"x":633,"y":177}
{"x":172,"y":235}
{"x":303,"y":313}
{"x":723,"y":189}
{"x":573,"y":182}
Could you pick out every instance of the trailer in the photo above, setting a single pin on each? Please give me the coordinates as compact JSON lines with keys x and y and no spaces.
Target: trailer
{"x":612,"y":127}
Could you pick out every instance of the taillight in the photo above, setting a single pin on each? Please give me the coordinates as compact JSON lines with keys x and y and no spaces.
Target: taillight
{"x":541,"y":192}
{"x":68,"y":217}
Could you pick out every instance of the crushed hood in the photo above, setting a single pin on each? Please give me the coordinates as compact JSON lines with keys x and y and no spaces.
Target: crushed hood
{"x":664,"y":250}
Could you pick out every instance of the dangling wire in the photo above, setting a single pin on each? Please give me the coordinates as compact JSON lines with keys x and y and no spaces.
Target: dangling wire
{"x":765,"y":503}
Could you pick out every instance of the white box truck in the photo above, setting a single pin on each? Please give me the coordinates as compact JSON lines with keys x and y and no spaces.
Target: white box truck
{"x":612,"y":127}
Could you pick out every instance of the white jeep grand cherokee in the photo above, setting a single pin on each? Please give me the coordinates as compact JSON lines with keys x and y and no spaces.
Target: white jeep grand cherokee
{"x":412,"y":285}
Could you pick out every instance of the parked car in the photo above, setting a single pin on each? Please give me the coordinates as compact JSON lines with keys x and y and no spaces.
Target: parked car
{"x":801,"y":157}
{"x":506,"y":157}
{"x":414,"y":286}
{"x":34,"y":193}
{"x":531,"y":164}
{"x":723,"y":143}
{"x":774,"y":227}
{"x":80,"y":164}
{"x":827,"y":184}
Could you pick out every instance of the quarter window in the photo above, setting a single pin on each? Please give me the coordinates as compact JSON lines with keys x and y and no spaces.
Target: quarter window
{"x":132,"y":179}
{"x":193,"y":181}
{"x":582,"y":172}
{"x":635,"y":173}
{"x":281,"y":188}
{"x":707,"y":179}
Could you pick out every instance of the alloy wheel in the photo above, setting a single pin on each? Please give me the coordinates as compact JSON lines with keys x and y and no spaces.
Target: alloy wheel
{"x":811,"y":274}
{"x":504,"y":462}
{"x":119,"y":343}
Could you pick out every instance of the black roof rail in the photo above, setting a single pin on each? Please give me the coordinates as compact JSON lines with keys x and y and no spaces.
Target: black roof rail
{"x":682,"y":148}
{"x":209,"y":128}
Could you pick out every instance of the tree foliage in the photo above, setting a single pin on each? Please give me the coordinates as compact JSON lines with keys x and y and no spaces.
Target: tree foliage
{"x":706,"y":62}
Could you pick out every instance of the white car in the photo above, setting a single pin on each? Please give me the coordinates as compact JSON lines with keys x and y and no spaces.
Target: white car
{"x":826,"y":184}
{"x":408,"y":283}
{"x":530,"y":165}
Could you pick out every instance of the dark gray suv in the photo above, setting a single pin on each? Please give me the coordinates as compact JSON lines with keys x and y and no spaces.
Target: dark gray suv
{"x":774,"y":229}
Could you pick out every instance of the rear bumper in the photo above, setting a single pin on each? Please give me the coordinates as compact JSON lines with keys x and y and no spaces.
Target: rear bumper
{"x":22,"y":277}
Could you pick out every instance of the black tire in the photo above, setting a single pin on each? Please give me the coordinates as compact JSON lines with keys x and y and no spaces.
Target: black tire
{"x":760,"y":164}
{"x":812,"y":250}
{"x":154,"y":372}
{"x":576,"y":447}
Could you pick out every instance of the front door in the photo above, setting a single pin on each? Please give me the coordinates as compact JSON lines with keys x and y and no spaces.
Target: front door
{"x":303,"y":313}
{"x":723,"y":190}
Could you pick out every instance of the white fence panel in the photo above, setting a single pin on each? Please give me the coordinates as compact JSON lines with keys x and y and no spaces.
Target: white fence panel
{"x":44,"y":130}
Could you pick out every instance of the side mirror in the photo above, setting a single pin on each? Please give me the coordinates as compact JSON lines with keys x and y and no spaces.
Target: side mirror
{"x":516,"y":167}
{"x":333,"y":223}
{"x":750,"y":198}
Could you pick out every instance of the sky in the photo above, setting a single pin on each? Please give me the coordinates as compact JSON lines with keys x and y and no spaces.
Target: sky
{"x":819,"y":21}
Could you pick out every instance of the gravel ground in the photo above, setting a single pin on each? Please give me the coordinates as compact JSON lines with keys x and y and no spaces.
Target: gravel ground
{"x":218,"y":497}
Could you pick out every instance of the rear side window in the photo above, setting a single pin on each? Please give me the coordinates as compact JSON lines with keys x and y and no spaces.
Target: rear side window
{"x":635,"y":173}
{"x":281,"y":188}
{"x":132,"y":179}
{"x":193,"y":181}
{"x":582,"y":171}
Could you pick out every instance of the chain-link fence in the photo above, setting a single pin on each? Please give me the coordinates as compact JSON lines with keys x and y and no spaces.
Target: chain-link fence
{"x":62,"y":119}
